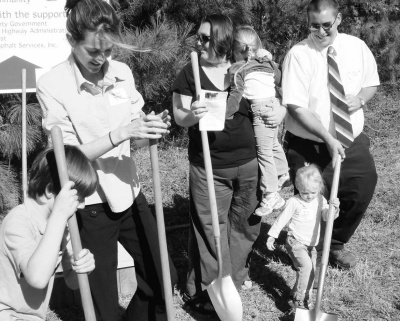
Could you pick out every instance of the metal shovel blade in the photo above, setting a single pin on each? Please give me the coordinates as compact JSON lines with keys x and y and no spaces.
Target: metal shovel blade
{"x":313,"y":315}
{"x":225,"y":299}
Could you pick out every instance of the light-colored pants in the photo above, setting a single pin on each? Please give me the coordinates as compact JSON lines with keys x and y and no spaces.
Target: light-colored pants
{"x":271,"y":158}
{"x":304,"y":259}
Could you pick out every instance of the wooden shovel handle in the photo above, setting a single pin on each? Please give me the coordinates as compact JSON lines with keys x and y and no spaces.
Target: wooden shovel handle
{"x":206,"y":152}
{"x":162,"y":239}
{"x":328,"y":234}
{"x":209,"y":171}
{"x":59,"y":152}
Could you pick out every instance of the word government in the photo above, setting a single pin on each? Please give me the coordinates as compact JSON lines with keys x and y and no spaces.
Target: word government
{"x":15,"y":1}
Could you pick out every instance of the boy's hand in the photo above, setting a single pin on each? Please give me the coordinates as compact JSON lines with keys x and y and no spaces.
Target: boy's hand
{"x":270,"y":243}
{"x":84,"y":262}
{"x":66,"y":202}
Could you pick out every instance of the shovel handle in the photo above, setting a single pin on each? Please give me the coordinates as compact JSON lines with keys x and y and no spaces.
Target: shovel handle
{"x":206,"y":151}
{"x":328,"y":234}
{"x":162,"y":239}
{"x":208,"y":166}
{"x":24,"y":158}
{"x":59,"y":152}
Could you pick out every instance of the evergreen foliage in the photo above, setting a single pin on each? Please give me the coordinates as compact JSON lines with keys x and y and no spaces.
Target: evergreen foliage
{"x":11,"y":145}
{"x":9,"y":191}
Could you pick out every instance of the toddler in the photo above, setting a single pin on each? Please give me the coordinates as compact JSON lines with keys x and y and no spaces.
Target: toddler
{"x":34,"y":238}
{"x":254,"y":76}
{"x":303,"y":212}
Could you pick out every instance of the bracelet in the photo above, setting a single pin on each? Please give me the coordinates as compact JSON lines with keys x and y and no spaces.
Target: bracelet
{"x":112,"y":143}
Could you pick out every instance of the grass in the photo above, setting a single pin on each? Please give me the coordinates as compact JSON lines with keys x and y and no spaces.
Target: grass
{"x":370,"y":291}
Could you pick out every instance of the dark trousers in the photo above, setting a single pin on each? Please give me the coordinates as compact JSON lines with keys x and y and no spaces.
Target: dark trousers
{"x":136,"y":230}
{"x":236,"y":197}
{"x":357,"y":181}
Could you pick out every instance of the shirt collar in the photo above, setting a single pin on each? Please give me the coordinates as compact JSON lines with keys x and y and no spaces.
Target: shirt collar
{"x":110,"y":78}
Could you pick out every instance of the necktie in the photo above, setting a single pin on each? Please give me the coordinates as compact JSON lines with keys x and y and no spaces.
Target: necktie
{"x":340,"y":110}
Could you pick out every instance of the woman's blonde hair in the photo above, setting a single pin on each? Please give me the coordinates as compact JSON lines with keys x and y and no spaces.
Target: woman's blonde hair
{"x":310,"y":174}
{"x":96,"y":16}
{"x":246,"y":41}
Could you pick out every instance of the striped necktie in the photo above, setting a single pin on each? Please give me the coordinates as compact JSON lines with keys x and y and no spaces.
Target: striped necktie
{"x":340,"y":110}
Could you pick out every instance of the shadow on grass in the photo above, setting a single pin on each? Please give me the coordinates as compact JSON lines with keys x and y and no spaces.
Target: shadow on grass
{"x":269,"y":280}
{"x":72,"y":312}
{"x":177,"y":239}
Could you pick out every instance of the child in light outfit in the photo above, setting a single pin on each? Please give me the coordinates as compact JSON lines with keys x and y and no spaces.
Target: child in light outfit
{"x":303,"y":212}
{"x":254,"y":76}
{"x":34,"y":238}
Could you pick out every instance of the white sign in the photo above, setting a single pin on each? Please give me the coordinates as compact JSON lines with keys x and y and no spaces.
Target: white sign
{"x":32,"y":35}
{"x":214,"y":120}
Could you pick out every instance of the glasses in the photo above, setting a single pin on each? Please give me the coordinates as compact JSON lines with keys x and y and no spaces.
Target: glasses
{"x":326,"y":26}
{"x":203,"y":38}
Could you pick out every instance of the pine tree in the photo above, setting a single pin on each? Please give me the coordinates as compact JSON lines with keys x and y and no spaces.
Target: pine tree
{"x":11,"y":145}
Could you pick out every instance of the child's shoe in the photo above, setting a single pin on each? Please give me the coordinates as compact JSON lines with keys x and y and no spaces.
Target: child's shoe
{"x":269,"y":203}
{"x":295,"y":304}
{"x":284,"y":181}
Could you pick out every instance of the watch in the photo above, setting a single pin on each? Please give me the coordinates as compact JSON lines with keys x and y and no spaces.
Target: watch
{"x":362,"y":101}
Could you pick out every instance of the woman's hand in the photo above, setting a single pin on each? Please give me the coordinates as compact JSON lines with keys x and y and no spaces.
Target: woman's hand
{"x":198,"y":109}
{"x":274,"y":116}
{"x":150,"y":126}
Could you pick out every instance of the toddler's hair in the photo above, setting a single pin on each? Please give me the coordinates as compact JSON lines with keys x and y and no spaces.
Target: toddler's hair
{"x":44,"y":172}
{"x":309,"y":174}
{"x":246,"y":40}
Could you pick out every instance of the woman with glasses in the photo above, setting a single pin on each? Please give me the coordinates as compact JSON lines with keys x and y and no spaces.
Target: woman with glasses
{"x":234,"y":162}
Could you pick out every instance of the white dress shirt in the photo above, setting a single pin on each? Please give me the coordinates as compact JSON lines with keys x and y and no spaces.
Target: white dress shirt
{"x":305,"y":80}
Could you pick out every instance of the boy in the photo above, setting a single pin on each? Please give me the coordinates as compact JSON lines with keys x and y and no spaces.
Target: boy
{"x":33,"y":237}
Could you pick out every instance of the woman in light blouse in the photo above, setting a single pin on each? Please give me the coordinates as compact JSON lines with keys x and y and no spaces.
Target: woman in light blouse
{"x":95,"y":103}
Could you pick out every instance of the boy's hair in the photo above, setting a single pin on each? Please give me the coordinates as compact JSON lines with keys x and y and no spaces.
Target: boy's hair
{"x":309,"y":174}
{"x":320,"y":5}
{"x":245,"y":39}
{"x":44,"y":173}
{"x":221,"y":34}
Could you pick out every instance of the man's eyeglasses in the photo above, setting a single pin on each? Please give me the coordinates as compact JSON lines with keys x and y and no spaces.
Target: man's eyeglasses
{"x":326,"y":26}
{"x":203,"y":38}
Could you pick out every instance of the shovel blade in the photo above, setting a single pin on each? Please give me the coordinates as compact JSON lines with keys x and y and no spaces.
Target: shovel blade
{"x":225,"y":299}
{"x":312,"y":315}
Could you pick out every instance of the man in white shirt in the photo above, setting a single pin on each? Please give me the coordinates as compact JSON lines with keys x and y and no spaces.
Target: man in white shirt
{"x":311,"y":135}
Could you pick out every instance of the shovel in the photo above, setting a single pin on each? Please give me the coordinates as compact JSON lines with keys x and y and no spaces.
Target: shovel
{"x":222,"y":291}
{"x":317,"y":314}
{"x":59,"y":152}
{"x":162,"y":239}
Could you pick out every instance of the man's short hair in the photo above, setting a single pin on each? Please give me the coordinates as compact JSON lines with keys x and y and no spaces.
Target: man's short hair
{"x":44,"y":173}
{"x":320,"y":5}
